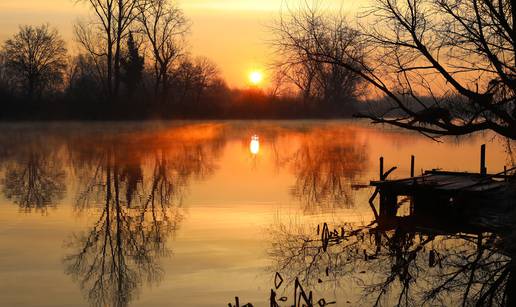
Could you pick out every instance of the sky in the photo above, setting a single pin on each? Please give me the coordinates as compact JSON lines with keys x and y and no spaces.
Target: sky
{"x":232,"y":33}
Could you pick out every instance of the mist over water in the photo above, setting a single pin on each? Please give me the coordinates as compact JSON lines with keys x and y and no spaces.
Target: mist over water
{"x":196,"y":213}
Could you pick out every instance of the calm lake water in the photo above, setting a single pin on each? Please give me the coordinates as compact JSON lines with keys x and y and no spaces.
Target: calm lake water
{"x":196,"y":213}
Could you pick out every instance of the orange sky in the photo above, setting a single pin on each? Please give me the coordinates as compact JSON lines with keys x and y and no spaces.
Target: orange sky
{"x":233,"y":33}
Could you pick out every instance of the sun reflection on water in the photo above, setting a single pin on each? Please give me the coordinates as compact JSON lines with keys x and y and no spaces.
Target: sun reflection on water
{"x":254,"y":146}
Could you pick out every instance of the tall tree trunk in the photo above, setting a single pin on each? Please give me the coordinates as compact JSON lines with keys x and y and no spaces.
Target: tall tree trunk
{"x":513,"y":14}
{"x":109,"y":77}
{"x":117,"y":49}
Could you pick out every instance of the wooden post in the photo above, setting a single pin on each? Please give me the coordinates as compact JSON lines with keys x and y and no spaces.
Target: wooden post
{"x":381,"y":168}
{"x":388,"y":200}
{"x":412,"y":160}
{"x":483,"y":169}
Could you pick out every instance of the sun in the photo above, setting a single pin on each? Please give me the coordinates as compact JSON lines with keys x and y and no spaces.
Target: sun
{"x":255,"y":77}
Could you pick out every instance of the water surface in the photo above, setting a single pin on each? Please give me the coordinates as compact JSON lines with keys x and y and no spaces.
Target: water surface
{"x":196,"y":213}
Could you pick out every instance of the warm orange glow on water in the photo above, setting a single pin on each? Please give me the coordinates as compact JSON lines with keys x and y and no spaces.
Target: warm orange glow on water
{"x":206,"y":207}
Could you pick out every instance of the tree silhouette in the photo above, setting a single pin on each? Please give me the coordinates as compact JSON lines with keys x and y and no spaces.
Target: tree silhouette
{"x":103,"y":36}
{"x":329,"y":84}
{"x":35,"y":57}
{"x":165,"y":27}
{"x":132,"y":65}
{"x":460,"y":55}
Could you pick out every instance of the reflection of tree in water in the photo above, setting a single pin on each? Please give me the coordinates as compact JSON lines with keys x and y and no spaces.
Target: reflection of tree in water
{"x":403,"y":266}
{"x":135,"y":192}
{"x":325,"y":167}
{"x":34,"y":181}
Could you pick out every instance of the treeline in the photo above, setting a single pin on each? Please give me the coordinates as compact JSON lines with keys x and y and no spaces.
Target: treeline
{"x":134,"y":63}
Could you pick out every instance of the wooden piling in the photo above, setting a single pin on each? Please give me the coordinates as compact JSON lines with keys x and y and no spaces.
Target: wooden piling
{"x":381,"y":168}
{"x":412,"y":160}
{"x":483,"y":169}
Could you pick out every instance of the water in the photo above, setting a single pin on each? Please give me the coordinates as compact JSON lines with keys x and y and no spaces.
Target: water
{"x":196,"y":213}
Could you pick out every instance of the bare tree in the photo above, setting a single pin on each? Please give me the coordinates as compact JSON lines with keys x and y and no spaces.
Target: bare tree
{"x":193,"y":77}
{"x":36,"y":58}
{"x":460,"y":54}
{"x":165,"y":27}
{"x":296,"y":36}
{"x":104,"y":35}
{"x":207,"y":75}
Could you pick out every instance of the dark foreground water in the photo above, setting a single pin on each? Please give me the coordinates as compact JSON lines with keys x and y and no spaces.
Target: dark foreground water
{"x":196,"y":213}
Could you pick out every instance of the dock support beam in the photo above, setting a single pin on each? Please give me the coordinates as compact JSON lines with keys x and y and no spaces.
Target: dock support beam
{"x":412,"y":160}
{"x":388,"y":200}
{"x":381,"y":168}
{"x":483,"y":169}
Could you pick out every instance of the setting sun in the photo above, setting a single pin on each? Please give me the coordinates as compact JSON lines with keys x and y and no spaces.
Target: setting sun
{"x":255,"y":77}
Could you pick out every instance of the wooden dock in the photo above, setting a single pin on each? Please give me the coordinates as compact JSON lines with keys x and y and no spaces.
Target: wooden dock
{"x":444,"y":182}
{"x":438,"y":189}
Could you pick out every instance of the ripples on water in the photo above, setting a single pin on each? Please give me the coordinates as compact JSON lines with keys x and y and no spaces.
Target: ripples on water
{"x":195,"y":213}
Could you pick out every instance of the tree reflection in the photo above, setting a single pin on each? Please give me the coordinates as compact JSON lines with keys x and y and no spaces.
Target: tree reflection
{"x":406,"y":261}
{"x":326,"y":165}
{"x":135,"y":192}
{"x":34,"y":181}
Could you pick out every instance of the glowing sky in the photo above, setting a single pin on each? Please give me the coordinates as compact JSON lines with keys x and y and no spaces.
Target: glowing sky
{"x":233,"y":33}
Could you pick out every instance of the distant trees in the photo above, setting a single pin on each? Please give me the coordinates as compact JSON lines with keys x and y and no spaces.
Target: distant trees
{"x":296,"y":38}
{"x":84,"y":79}
{"x":134,"y":64}
{"x":194,"y":77}
{"x":460,"y":54}
{"x":35,"y":60}
{"x":6,"y":87}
